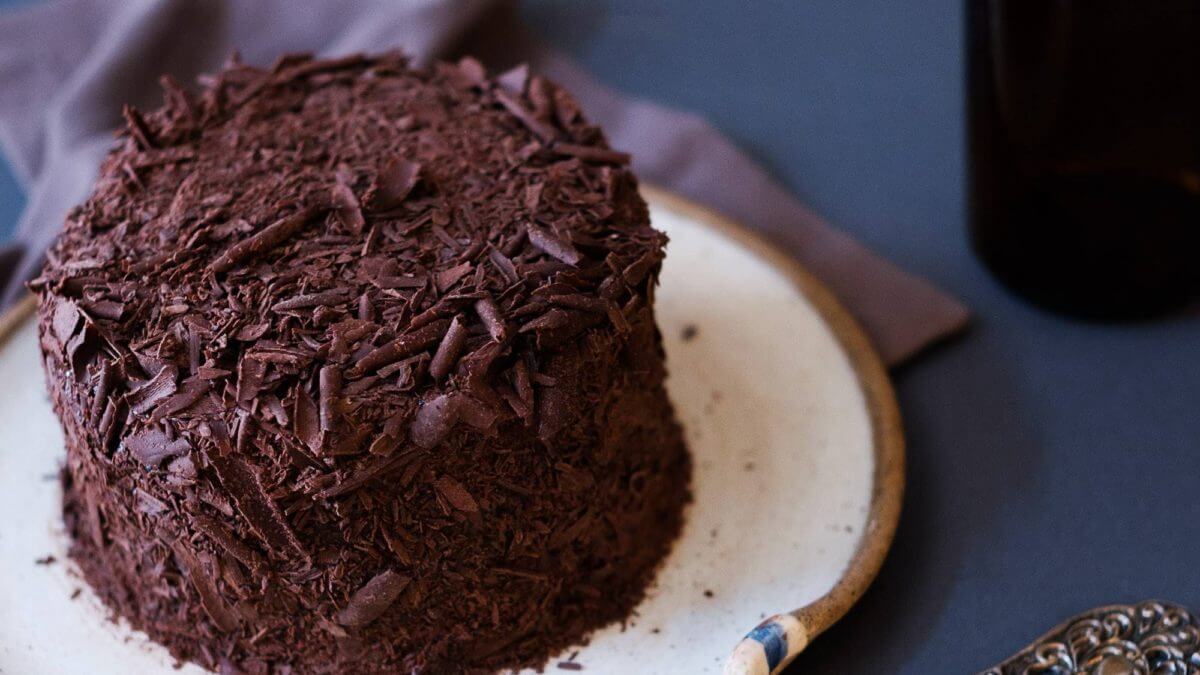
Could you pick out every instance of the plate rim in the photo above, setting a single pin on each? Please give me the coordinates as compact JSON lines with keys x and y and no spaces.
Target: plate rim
{"x":888,"y":481}
{"x":888,"y":443}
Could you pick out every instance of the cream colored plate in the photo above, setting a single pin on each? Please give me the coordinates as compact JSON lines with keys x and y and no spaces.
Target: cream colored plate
{"x":789,"y":416}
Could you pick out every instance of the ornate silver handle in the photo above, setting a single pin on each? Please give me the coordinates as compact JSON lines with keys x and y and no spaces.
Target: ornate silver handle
{"x":1150,"y":638}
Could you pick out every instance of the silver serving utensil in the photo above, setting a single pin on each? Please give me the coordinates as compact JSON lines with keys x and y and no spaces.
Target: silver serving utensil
{"x":1150,"y":638}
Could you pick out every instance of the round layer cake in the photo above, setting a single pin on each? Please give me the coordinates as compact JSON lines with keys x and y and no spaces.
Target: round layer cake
{"x":358,"y":371}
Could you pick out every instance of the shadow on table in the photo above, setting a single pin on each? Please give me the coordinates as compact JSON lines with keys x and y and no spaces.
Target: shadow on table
{"x":970,"y":447}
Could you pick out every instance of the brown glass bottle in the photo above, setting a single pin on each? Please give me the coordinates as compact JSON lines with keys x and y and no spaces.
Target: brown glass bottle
{"x":1084,"y":151}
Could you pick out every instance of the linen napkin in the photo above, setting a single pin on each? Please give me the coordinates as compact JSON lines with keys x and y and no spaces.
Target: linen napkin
{"x":67,"y":66}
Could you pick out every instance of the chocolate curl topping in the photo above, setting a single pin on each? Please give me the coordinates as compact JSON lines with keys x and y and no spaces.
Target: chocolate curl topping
{"x":373,"y":599}
{"x":330,"y":381}
{"x":393,"y":184}
{"x":449,"y":349}
{"x":552,"y":245}
{"x":264,"y":240}
{"x":243,"y":484}
{"x":404,"y":346}
{"x":136,"y":125}
{"x":489,"y":314}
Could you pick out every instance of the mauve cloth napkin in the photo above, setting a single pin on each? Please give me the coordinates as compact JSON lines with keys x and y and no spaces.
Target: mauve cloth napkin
{"x":67,"y":66}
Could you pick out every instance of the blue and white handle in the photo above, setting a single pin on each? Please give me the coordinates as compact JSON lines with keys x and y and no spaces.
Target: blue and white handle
{"x":768,"y":648}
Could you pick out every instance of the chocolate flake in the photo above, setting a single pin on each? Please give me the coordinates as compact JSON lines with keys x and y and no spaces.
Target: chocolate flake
{"x":264,"y":240}
{"x":330,"y":297}
{"x":210,"y":598}
{"x":136,"y":125}
{"x":154,"y":390}
{"x":543,"y":131}
{"x":330,"y":388}
{"x":347,"y":208}
{"x":306,"y":420}
{"x":456,"y":494}
{"x":489,"y":314}
{"x":213,"y":529}
{"x":514,"y":79}
{"x":152,"y":446}
{"x":505,"y":266}
{"x":393,"y":184}
{"x":361,"y":478}
{"x":434,"y":420}
{"x":552,"y":245}
{"x":403,"y":346}
{"x":450,"y":348}
{"x":243,"y":484}
{"x":373,"y":599}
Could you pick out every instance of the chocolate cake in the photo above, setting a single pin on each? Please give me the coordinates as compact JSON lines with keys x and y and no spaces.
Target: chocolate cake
{"x":358,"y":372}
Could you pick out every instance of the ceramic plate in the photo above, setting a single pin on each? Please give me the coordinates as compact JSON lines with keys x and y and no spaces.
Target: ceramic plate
{"x":798,"y":473}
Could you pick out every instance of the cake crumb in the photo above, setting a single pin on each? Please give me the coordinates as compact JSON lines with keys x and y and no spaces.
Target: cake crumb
{"x":708,"y":593}
{"x":689,"y":333}
{"x":47,"y":560}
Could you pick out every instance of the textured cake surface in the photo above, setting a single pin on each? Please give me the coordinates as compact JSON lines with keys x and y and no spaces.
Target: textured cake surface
{"x":358,"y":372}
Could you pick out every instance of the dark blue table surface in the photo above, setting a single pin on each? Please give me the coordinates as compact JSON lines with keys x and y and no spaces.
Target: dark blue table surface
{"x":1052,"y":464}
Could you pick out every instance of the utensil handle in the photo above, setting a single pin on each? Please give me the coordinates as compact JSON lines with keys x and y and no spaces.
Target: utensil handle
{"x":769,"y":648}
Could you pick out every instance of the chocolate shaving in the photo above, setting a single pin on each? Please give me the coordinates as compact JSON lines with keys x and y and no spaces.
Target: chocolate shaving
{"x":543,"y":131}
{"x":191,"y":392}
{"x":252,"y":332}
{"x":64,"y":321}
{"x":152,"y":446}
{"x":403,"y":346}
{"x":149,"y":504}
{"x":434,"y":420}
{"x":552,"y":245}
{"x":324,"y":298}
{"x":371,"y":472}
{"x":472,"y":70}
{"x":330,"y":388}
{"x":305,"y":420}
{"x":243,"y":484}
{"x":150,"y":393}
{"x":393,"y":184}
{"x":456,"y":494}
{"x":264,"y":240}
{"x":447,"y":278}
{"x":347,"y":208}
{"x":514,"y":79}
{"x":637,"y":271}
{"x":583,"y":302}
{"x":136,"y":125}
{"x":214,"y":605}
{"x":448,"y":351}
{"x":213,"y":529}
{"x":104,"y":309}
{"x":489,"y":314}
{"x":373,"y":599}
{"x":506,"y":266}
